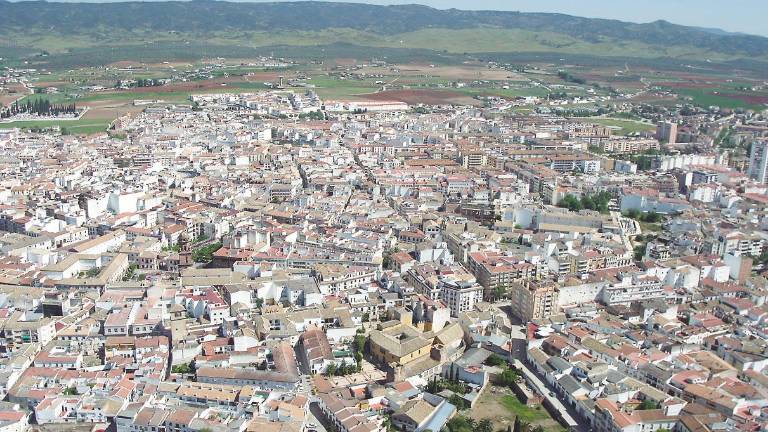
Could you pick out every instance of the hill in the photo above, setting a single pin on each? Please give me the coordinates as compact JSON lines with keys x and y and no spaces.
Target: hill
{"x":67,"y":27}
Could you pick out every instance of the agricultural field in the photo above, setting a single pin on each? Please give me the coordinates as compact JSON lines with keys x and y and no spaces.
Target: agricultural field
{"x":723,"y":91}
{"x":11,"y":93}
{"x":337,"y":77}
{"x":724,"y":97}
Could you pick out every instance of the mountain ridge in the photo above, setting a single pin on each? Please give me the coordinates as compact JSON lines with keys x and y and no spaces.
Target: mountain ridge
{"x":205,"y":17}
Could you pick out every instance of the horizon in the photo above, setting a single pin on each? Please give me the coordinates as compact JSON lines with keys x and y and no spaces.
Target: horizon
{"x":704,"y":14}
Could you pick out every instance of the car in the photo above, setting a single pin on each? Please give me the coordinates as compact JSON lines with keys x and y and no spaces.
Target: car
{"x":552,"y":394}
{"x":312,"y":425}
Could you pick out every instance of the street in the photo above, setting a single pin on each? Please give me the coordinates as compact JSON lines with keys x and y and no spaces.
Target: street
{"x":519,"y":354}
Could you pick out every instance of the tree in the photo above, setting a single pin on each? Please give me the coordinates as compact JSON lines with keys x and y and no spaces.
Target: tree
{"x":648,"y":404}
{"x":652,"y":217}
{"x":508,"y":377}
{"x":460,"y":423}
{"x":639,"y":251}
{"x":458,"y":402}
{"x":131,"y":272}
{"x":205,"y":253}
{"x":331,"y":370}
{"x":432,"y":385}
{"x":570,"y":202}
{"x":598,"y":202}
{"x":70,"y":391}
{"x":632,"y":214}
{"x":387,"y":258}
{"x":93,"y":272}
{"x":495,"y":360}
{"x":359,"y":342}
{"x":484,"y":425}
{"x":763,"y":258}
{"x":183,"y":369}
{"x":500,"y":291}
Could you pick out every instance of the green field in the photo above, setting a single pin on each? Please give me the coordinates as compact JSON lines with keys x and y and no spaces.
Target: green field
{"x":329,"y":87}
{"x":625,"y":127}
{"x":75,"y":127}
{"x":705,"y":98}
{"x":501,"y":406}
{"x":526,"y":413}
{"x":507,"y":93}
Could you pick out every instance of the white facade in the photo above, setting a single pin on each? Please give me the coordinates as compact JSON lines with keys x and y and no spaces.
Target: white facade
{"x":758,"y":162}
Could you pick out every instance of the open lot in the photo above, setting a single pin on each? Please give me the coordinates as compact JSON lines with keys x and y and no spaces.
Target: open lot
{"x":11,"y":93}
{"x":429,"y":97}
{"x":502,"y":406}
{"x":461,"y":72}
{"x":621,"y":126}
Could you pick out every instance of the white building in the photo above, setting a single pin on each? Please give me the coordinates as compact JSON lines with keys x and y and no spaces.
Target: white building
{"x":460,"y":296}
{"x":758,"y":162}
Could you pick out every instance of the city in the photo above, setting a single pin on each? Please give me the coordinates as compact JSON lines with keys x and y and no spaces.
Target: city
{"x":371,"y":244}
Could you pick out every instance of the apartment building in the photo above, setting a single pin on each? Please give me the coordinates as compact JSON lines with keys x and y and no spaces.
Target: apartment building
{"x":534,"y":299}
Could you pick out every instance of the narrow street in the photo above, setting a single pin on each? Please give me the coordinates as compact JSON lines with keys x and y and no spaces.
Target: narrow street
{"x":541,"y":387}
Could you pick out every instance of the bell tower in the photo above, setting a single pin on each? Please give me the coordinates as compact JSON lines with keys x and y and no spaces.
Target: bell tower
{"x":185,"y":252}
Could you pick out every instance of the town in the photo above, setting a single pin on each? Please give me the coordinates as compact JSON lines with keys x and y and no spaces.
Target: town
{"x":348,"y":216}
{"x":270,"y":261}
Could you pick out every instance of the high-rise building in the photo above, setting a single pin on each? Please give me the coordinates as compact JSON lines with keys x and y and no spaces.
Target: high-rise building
{"x":666,"y":132}
{"x":534,"y":299}
{"x":758,"y":162}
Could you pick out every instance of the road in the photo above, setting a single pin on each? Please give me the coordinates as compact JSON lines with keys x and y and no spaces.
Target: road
{"x":519,"y":354}
{"x":318,"y":418}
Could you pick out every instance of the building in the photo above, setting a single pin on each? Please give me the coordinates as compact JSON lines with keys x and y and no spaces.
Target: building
{"x":629,"y":145}
{"x":474,"y":159}
{"x":460,"y":296}
{"x":315,"y":351}
{"x":613,"y":417}
{"x":399,"y":344}
{"x":758,"y":162}
{"x":494,"y":271}
{"x":666,"y":132}
{"x":534,"y":299}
